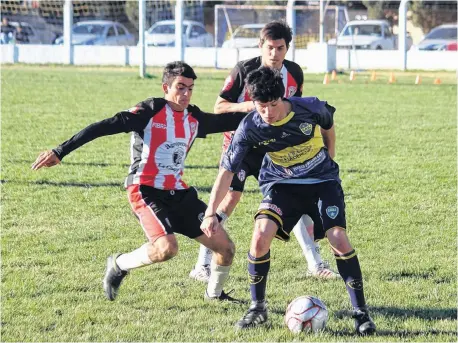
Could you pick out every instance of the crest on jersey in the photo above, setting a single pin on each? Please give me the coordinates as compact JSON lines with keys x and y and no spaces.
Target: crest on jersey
{"x":306,"y":128}
{"x":228,"y":83}
{"x":291,"y":91}
{"x":241,"y":175}
{"x":332,"y":212}
{"x":193,"y":127}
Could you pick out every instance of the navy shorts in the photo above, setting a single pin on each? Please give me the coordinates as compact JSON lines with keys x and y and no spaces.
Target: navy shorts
{"x":250,"y":166}
{"x":285,"y":204}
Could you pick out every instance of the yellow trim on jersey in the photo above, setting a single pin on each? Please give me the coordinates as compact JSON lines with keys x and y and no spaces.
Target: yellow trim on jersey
{"x":276,"y":216}
{"x":284,"y":120}
{"x":340,"y":257}
{"x":298,"y":153}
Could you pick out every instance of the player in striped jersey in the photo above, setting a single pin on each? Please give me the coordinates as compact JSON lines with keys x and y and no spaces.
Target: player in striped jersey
{"x":275,"y":38}
{"x":163,"y":131}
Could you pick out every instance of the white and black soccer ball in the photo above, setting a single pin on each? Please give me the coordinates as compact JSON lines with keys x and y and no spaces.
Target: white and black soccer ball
{"x":306,"y":314}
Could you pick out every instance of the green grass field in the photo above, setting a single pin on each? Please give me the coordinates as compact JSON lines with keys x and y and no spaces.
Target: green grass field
{"x":396,"y":146}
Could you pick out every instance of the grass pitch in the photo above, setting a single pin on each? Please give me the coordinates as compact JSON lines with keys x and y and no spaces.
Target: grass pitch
{"x":396,"y":146}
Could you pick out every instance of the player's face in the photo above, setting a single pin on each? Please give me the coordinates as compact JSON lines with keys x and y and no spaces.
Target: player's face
{"x":179,"y":93}
{"x":273,"y":53}
{"x":271,"y":111}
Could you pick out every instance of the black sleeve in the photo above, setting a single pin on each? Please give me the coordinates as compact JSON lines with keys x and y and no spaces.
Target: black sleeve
{"x":134,"y":119}
{"x":325,"y":117}
{"x":300,"y":82}
{"x":214,"y":123}
{"x":233,"y":85}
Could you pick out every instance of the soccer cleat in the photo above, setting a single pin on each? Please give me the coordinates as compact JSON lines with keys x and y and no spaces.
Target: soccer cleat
{"x":323,"y":271}
{"x":223,"y":297}
{"x":256,"y":315}
{"x":113,"y":277}
{"x":201,"y":273}
{"x":364,"y":324}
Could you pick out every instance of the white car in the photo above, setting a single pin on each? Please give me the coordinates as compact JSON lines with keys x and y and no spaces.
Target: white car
{"x":99,"y":32}
{"x":162,"y":33}
{"x":368,"y":35}
{"x":245,"y":36}
{"x":443,"y":37}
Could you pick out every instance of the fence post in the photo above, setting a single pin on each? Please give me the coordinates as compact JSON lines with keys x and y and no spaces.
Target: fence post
{"x":402,"y":42}
{"x":141,"y":36}
{"x":68,"y":25}
{"x":291,"y":19}
{"x":179,"y":30}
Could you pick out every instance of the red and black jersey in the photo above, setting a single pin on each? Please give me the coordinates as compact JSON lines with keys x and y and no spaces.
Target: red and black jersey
{"x":234,"y":89}
{"x":161,"y":139}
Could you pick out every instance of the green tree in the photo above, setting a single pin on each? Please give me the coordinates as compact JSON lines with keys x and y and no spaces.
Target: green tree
{"x":429,"y":14}
{"x":375,"y":9}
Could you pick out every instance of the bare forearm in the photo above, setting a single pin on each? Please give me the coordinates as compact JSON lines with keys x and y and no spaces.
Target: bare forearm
{"x":329,"y":139}
{"x":219,"y":190}
{"x":224,"y":106}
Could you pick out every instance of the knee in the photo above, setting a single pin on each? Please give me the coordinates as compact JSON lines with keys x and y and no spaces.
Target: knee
{"x":226,"y":253}
{"x":338,"y":239}
{"x":167,"y":250}
{"x":259,"y":245}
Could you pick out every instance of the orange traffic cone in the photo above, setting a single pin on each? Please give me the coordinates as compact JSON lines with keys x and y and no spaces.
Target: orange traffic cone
{"x":437,"y":81}
{"x":333,"y":75}
{"x":352,"y":76}
{"x":392,"y":79}
{"x":326,"y":79}
{"x":418,"y":79}
{"x":373,"y":76}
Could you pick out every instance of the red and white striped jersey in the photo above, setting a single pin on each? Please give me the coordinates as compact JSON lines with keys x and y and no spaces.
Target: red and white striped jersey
{"x":161,"y":139}
{"x":234,"y":89}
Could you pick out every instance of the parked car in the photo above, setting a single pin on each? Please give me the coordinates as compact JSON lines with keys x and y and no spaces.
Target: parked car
{"x":368,"y":35}
{"x":162,"y":33}
{"x":99,"y":32}
{"x":442,"y":37}
{"x":244,"y":36}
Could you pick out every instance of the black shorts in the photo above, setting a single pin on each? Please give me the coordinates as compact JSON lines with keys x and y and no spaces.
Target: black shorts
{"x":285,"y":204}
{"x":163,"y":212}
{"x":251,"y":165}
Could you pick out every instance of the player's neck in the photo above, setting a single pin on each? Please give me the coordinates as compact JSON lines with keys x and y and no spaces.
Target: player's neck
{"x":286,"y":109}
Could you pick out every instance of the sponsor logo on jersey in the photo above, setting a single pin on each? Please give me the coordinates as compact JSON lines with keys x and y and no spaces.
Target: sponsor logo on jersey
{"x":267,"y":142}
{"x":170,"y":156}
{"x":332,"y":212}
{"x":228,"y":83}
{"x":193,"y":127}
{"x":306,"y":128}
{"x":291,"y":91}
{"x":284,"y":135}
{"x":241,"y":175}
{"x":178,"y":157}
{"x":159,"y":126}
{"x":273,"y":207}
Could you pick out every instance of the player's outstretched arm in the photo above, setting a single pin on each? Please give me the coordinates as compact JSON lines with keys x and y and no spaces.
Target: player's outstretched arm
{"x":223,"y":181}
{"x":45,"y":159}
{"x":224,"y":106}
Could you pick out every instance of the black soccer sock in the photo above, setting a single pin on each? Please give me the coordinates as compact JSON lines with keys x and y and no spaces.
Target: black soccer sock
{"x":258,"y":268}
{"x":349,"y":269}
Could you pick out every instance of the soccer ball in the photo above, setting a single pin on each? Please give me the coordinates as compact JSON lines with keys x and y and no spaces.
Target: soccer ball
{"x":306,"y":314}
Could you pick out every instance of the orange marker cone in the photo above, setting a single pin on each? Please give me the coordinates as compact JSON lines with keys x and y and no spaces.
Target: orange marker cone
{"x":326,"y":79}
{"x":437,"y":81}
{"x":373,"y":76}
{"x":392,"y":79}
{"x":352,"y":76}
{"x":333,"y":75}
{"x":418,"y":79}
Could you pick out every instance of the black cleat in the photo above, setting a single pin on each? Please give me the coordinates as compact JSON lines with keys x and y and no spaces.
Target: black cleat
{"x":256,"y":315}
{"x":223,"y":297}
{"x":364,"y":324}
{"x":113,"y":277}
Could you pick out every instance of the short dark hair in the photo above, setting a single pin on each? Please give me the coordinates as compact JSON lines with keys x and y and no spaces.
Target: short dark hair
{"x":265,"y":84}
{"x":177,"y":68}
{"x":275,"y":30}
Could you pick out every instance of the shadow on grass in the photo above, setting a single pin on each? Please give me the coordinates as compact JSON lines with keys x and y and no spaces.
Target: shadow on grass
{"x":421,"y":313}
{"x":397,"y":333}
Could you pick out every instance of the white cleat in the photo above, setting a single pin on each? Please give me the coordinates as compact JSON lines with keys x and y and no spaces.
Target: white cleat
{"x":201,"y":273}
{"x":323,"y":271}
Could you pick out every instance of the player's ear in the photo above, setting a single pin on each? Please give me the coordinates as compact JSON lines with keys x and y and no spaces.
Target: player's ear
{"x":165,"y":88}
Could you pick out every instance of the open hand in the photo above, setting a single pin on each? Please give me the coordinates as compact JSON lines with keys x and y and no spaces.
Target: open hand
{"x":45,"y":159}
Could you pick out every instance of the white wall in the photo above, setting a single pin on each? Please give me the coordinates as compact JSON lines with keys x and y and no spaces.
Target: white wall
{"x":226,"y":58}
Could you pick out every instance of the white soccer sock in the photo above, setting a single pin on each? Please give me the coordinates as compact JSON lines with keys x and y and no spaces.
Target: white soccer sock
{"x":205,"y":254}
{"x":309,"y":248}
{"x":134,"y":259}
{"x":218,"y":277}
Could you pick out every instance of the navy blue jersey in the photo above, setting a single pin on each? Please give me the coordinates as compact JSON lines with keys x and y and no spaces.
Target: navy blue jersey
{"x":295,"y":152}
